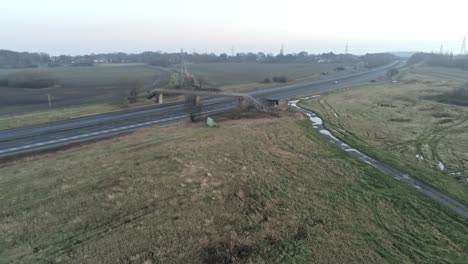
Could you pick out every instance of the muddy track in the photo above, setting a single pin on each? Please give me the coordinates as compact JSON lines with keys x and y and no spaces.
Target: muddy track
{"x":68,"y":244}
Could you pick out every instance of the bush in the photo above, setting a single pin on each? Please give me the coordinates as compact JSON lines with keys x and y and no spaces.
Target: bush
{"x":340,"y":68}
{"x":160,"y":63}
{"x":392,"y":72}
{"x":457,"y":96}
{"x":280,"y":79}
{"x":31,"y":79}
{"x":266,"y":80}
{"x":377,"y":59}
{"x":82,"y":63}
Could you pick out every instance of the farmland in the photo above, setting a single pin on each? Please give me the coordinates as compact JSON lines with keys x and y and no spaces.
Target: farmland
{"x":79,"y":86}
{"x":102,"y":88}
{"x":263,"y":190}
{"x":247,"y":76}
{"x":405,"y":124}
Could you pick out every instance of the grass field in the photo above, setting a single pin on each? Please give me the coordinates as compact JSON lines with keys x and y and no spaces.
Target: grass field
{"x":402,"y":124}
{"x":79,"y":86}
{"x":39,"y":117}
{"x":266,"y":190}
{"x":247,"y":76}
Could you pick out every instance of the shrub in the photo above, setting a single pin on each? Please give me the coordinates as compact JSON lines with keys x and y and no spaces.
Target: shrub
{"x":400,"y":119}
{"x":31,"y":79}
{"x":280,"y":79}
{"x":457,"y":96}
{"x":266,"y":80}
{"x":392,"y":72}
{"x":161,"y":63}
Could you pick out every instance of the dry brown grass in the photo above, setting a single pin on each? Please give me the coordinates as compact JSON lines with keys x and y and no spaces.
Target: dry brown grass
{"x":397,"y":122}
{"x":40,"y":117}
{"x":263,"y":191}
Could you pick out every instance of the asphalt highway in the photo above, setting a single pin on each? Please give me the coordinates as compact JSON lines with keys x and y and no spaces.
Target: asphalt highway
{"x":57,"y":134}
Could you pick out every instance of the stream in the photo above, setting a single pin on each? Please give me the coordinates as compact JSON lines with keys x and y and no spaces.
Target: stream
{"x":427,"y":189}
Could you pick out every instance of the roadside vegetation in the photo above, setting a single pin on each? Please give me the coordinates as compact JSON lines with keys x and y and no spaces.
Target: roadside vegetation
{"x":418,"y":124}
{"x":40,"y":117}
{"x":265,"y":190}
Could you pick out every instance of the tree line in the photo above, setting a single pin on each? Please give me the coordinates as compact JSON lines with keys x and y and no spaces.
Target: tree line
{"x":12,"y":59}
{"x":440,"y":60}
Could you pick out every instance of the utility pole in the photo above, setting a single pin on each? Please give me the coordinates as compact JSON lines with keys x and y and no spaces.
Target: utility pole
{"x":183,"y":71}
{"x":346,"y":48}
{"x":232,"y":51}
{"x":441,"y":49}
{"x":463,"y":47}
{"x":50,"y":102}
{"x":282,"y":50}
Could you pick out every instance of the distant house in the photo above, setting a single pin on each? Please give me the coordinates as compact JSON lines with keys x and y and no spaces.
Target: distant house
{"x":100,"y":61}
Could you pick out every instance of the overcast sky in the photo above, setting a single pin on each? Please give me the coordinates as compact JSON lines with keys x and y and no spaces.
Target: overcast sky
{"x":85,"y":26}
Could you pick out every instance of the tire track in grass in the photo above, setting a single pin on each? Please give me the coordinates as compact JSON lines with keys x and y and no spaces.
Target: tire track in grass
{"x":427,"y":189}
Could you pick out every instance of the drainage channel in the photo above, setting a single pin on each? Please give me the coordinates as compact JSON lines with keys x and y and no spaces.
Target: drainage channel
{"x":427,"y":189}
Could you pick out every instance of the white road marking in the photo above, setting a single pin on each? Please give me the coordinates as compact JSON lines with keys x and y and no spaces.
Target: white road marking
{"x":51,"y":142}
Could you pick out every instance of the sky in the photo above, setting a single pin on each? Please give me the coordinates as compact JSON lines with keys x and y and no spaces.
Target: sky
{"x":95,"y":26}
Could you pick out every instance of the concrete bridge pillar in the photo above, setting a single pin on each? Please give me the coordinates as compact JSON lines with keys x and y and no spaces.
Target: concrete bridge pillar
{"x":242,"y":103}
{"x":159,"y":98}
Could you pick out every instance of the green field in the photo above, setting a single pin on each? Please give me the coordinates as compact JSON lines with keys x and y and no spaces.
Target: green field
{"x":98,"y":75}
{"x":402,"y":124}
{"x":80,"y":87}
{"x":245,"y":76}
{"x":40,"y":117}
{"x":266,"y":190}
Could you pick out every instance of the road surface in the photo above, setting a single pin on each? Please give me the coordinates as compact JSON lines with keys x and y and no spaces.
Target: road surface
{"x":57,"y":134}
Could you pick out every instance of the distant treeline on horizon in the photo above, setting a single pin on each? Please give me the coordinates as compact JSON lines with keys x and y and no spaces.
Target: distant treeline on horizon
{"x":440,"y":60}
{"x":12,"y":59}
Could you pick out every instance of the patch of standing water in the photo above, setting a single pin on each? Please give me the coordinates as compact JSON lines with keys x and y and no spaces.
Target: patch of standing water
{"x":326,"y":132}
{"x":315,"y":120}
{"x":382,"y":167}
{"x":293,"y":103}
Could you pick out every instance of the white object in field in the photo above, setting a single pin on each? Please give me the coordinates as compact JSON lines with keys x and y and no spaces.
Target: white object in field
{"x":441,"y":166}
